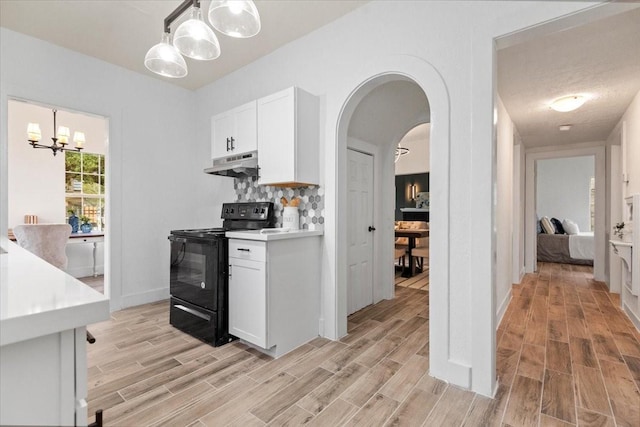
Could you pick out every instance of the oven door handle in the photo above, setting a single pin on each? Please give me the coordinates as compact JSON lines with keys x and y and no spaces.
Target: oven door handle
{"x":192,"y":311}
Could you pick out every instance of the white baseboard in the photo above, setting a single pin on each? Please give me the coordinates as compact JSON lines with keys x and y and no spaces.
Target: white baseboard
{"x":84,"y":271}
{"x":522,"y":273}
{"x":502,"y":308}
{"x":454,"y":373}
{"x":634,"y":318}
{"x":144,"y":297}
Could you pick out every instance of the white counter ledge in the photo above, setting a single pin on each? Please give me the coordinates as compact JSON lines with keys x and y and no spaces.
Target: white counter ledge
{"x":37,"y":299}
{"x":272,"y":234}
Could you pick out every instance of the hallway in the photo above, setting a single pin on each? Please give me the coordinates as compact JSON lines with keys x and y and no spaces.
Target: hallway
{"x":567,"y":352}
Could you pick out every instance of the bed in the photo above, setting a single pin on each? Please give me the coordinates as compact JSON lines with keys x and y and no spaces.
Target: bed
{"x":567,"y":249}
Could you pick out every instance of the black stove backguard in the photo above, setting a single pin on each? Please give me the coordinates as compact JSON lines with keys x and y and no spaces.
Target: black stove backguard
{"x":198,"y":273}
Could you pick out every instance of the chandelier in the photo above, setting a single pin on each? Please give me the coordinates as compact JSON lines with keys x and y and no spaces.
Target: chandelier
{"x":195,"y":39}
{"x":400,"y":151}
{"x":60,"y":140}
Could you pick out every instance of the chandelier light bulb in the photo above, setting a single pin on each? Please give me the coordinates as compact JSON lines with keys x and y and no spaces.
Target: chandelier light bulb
{"x":195,"y":39}
{"x":63,"y":135}
{"x":33,"y":132}
{"x":165,"y":59}
{"x":235,"y":18}
{"x":79,"y":138}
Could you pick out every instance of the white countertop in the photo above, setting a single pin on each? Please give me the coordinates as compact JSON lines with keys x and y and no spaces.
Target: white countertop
{"x":37,"y":299}
{"x":272,"y":234}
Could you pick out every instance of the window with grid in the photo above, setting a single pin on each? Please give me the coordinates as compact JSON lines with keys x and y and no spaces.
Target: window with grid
{"x":84,"y":186}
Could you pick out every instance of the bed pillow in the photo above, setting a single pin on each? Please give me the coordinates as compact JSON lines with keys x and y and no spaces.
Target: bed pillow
{"x":547,"y":226}
{"x":570,"y":227}
{"x":557,"y":225}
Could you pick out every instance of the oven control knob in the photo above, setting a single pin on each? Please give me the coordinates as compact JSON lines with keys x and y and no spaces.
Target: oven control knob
{"x":202,"y":285}
{"x":255,"y":210}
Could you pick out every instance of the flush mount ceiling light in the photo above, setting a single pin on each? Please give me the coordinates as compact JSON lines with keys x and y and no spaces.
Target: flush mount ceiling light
{"x":565,"y":128}
{"x":568,"y":103}
{"x":401,"y":151}
{"x":194,"y":39}
{"x":235,"y":18}
{"x":60,"y":140}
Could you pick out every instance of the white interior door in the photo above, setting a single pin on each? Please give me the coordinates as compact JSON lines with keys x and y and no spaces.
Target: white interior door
{"x":360,"y":230}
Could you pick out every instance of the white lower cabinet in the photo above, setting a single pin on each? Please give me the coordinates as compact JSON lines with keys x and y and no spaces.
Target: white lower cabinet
{"x":274,"y":292}
{"x":248,"y":300}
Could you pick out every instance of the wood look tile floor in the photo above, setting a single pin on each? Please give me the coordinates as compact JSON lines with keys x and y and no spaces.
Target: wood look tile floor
{"x":96,"y":283}
{"x":566,"y":356}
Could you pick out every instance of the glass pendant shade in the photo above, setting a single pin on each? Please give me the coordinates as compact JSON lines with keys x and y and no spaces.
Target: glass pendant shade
{"x":165,"y":59}
{"x":235,"y":18}
{"x":195,"y":39}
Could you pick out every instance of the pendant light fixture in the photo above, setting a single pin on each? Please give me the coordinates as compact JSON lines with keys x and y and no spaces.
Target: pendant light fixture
{"x":235,"y":18}
{"x":165,"y":59}
{"x":60,"y":140}
{"x":195,"y":39}
{"x":400,"y":151}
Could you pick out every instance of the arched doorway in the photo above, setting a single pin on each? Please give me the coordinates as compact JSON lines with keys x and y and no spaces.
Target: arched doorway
{"x":382,"y":117}
{"x":423,"y":74}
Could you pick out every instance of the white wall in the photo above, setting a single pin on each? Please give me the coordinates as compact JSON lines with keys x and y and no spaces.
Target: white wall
{"x":417,"y":161}
{"x":629,"y":128}
{"x":153,"y":168}
{"x":562,"y":189}
{"x":631,"y":151}
{"x":504,"y":210}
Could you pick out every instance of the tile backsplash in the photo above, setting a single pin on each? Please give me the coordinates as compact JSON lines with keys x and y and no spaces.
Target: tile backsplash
{"x":311,"y":200}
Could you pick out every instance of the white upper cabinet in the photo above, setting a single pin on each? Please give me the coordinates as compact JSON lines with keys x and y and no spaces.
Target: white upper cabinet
{"x":288,"y":138}
{"x":234,"y":131}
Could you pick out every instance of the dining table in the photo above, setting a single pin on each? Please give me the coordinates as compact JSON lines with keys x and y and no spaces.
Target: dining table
{"x":411,"y":235}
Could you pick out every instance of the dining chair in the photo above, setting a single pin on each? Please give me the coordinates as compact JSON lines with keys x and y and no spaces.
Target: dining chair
{"x":420,"y":253}
{"x":47,"y":241}
{"x":400,"y":254}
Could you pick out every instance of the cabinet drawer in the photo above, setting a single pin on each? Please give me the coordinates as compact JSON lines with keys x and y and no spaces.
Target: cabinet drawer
{"x":247,"y":249}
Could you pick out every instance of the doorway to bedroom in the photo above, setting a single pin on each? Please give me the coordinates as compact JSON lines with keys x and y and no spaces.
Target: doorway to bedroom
{"x":565,"y":209}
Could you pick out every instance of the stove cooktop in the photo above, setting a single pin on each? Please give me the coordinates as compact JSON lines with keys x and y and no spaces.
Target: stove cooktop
{"x":199,"y":232}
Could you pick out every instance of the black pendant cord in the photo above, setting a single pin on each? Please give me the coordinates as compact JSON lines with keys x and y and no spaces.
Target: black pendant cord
{"x":177,"y":12}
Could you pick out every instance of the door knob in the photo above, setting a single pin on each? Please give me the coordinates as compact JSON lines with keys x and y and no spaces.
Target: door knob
{"x":372,"y":228}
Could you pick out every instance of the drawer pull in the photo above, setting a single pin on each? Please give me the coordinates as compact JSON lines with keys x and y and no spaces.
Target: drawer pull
{"x":244,"y":250}
{"x":192,"y":311}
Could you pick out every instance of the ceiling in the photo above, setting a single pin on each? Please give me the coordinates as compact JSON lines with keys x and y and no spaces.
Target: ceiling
{"x":600,"y":59}
{"x":121,"y":32}
{"x":388,"y":112}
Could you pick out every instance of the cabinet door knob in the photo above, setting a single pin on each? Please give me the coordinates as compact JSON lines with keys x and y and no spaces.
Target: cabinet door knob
{"x":371,"y":228}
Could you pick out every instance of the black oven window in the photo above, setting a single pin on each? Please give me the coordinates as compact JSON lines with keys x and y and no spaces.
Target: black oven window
{"x":188,"y":264}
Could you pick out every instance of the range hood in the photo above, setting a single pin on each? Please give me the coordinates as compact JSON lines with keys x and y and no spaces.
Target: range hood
{"x":237,"y":166}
